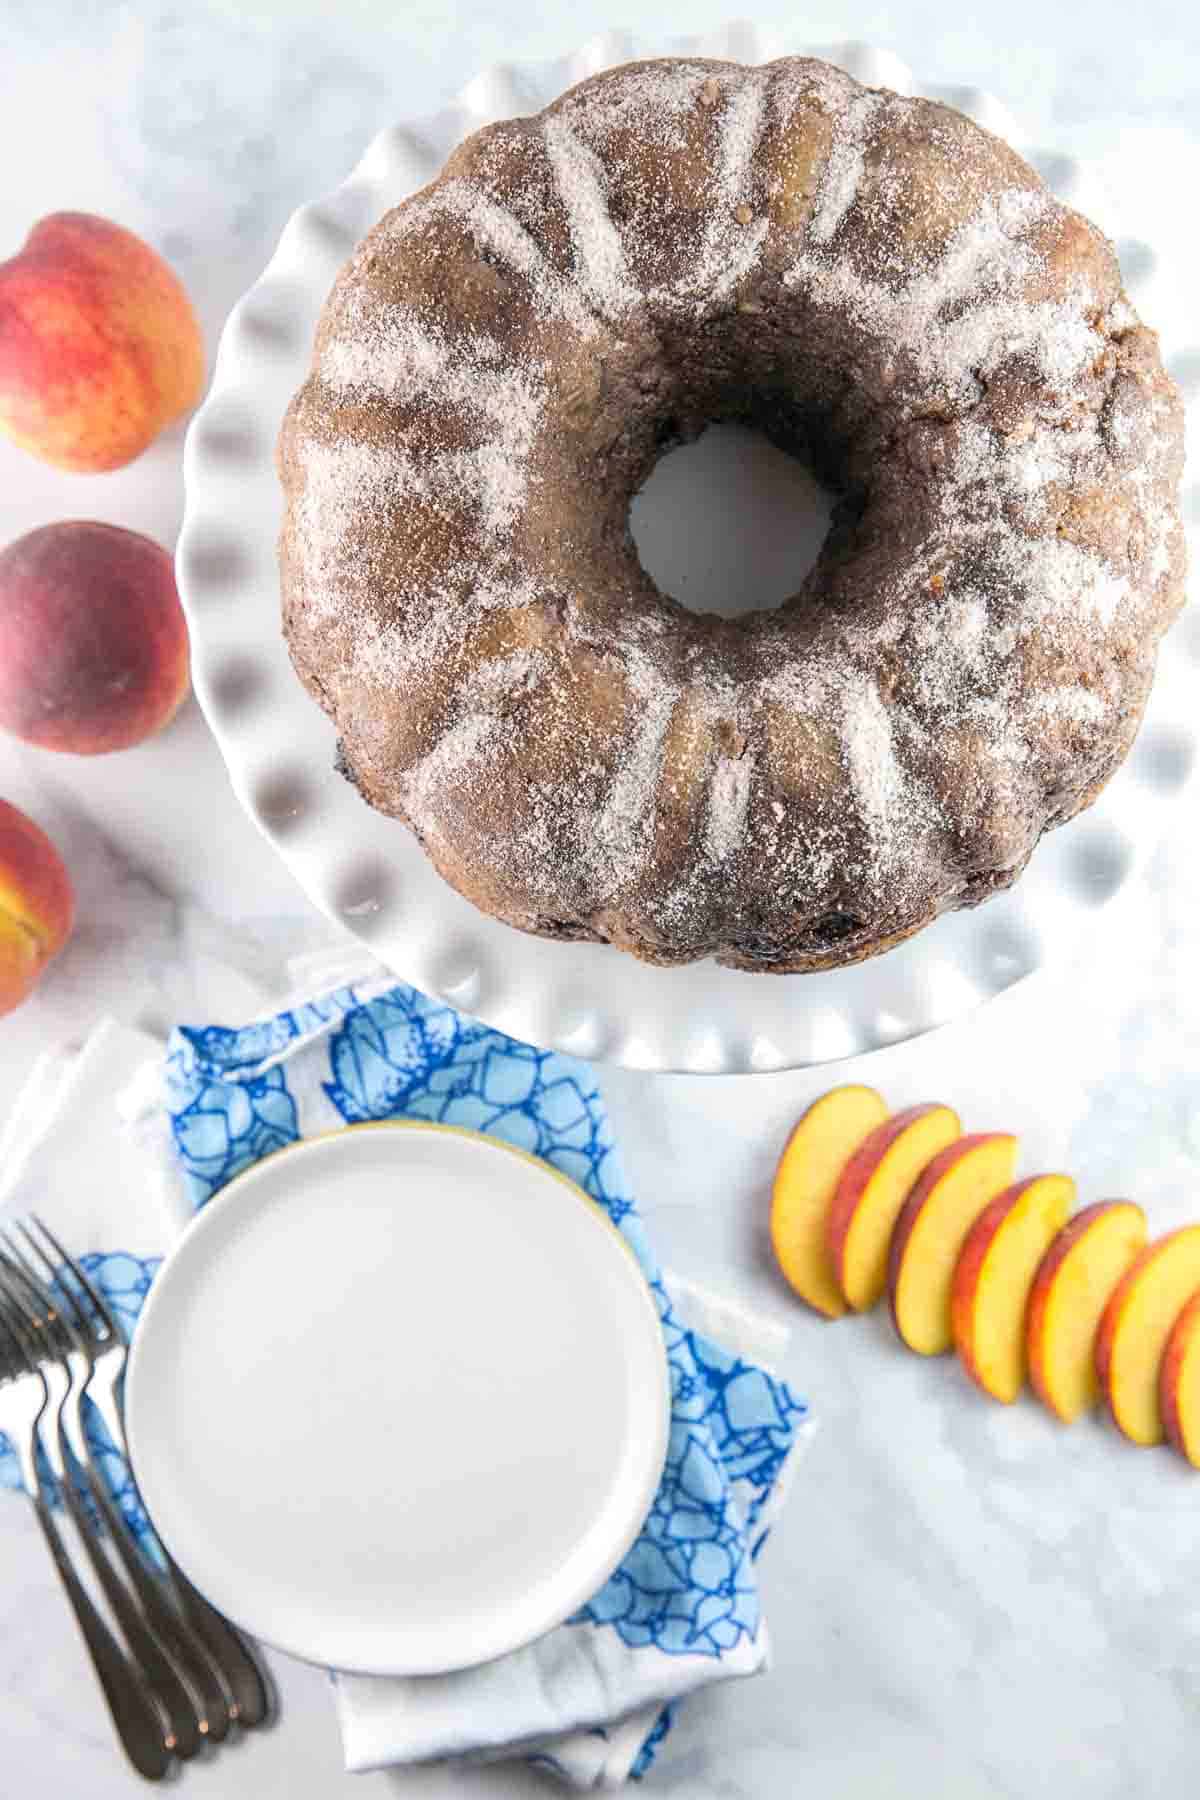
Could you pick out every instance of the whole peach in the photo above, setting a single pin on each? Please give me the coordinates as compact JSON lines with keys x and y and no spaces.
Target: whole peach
{"x":37,"y":904}
{"x":99,"y":347}
{"x":93,"y":641}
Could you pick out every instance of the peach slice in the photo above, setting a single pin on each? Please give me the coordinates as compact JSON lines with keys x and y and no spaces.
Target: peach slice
{"x":872,"y":1189}
{"x":1070,"y":1291}
{"x":1136,"y":1325}
{"x":929,"y":1232}
{"x":1179,"y":1383}
{"x":813,"y":1159}
{"x":993,"y":1276}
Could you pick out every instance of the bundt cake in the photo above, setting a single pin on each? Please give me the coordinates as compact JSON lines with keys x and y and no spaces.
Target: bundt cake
{"x":885,"y":290}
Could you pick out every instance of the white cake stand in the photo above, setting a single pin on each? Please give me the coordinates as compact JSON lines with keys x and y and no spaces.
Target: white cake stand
{"x":368,"y":873}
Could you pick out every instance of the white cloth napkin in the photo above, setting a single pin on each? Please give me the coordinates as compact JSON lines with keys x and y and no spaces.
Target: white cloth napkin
{"x":91,"y":1147}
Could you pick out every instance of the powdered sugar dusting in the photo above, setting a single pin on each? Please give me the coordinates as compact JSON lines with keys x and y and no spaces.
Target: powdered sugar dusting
{"x":660,"y":102}
{"x":498,"y":232}
{"x":863,"y":769}
{"x":728,"y":801}
{"x":1066,"y":582}
{"x":844,"y":169}
{"x":339,"y":491}
{"x":887,"y":799}
{"x":450,"y":765}
{"x":732,"y":242}
{"x":958,"y":321}
{"x":622,"y":833}
{"x":602,"y":275}
{"x":385,"y":355}
{"x":341,"y":485}
{"x":393,"y":357}
{"x":392,"y":354}
{"x":1073,"y":703}
{"x":987,"y":253}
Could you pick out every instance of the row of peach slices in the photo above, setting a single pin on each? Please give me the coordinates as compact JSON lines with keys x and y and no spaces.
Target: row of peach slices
{"x":972,"y":1259}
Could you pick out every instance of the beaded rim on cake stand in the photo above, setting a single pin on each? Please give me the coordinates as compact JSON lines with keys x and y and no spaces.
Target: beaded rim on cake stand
{"x":364,"y":869}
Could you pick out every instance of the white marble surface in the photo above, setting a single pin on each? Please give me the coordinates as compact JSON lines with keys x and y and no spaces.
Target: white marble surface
{"x":965,"y":1600}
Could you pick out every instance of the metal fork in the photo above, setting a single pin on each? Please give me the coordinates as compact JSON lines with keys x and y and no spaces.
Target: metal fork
{"x":177,"y":1637}
{"x":188,"y":1726}
{"x":140,"y":1724}
{"x":99,"y":1352}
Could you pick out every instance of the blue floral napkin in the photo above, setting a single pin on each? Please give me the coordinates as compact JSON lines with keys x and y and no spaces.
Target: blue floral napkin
{"x":683,"y":1608}
{"x":591,"y":1700}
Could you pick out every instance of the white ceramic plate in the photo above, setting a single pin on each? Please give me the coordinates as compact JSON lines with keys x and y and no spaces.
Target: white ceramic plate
{"x":368,"y":873}
{"x":398,"y":1400}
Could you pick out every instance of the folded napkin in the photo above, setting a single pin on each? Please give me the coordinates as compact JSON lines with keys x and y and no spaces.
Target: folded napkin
{"x":117,"y":1165}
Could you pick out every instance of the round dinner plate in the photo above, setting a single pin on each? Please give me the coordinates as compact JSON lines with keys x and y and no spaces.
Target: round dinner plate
{"x":371,"y":875}
{"x":398,"y":1400}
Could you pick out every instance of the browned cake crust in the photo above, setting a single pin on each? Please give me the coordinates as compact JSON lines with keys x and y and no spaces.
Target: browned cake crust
{"x":884,"y":289}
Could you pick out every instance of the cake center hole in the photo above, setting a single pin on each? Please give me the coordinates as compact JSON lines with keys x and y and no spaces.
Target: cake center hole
{"x":729,"y":524}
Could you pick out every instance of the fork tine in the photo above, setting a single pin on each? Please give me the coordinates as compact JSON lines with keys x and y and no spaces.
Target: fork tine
{"x":58,"y":1315}
{"x":10,"y":1232}
{"x":12,"y":1354}
{"x":21,"y":1324}
{"x":68,"y":1261}
{"x":42,"y":1312}
{"x":21,"y":1272}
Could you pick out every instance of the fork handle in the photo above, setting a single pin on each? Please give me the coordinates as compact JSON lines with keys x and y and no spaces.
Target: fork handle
{"x":180,"y":1639}
{"x":135,"y":1716}
{"x":247,"y":1683}
{"x":240,"y":1671}
{"x":187,"y":1727}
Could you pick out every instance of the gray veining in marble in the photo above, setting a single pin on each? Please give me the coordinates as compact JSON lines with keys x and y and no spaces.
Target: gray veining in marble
{"x":965,"y":1601}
